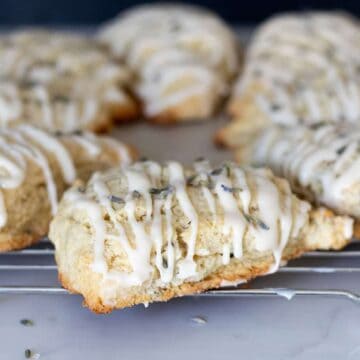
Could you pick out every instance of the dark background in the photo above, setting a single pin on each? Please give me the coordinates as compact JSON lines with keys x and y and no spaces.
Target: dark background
{"x":94,"y":11}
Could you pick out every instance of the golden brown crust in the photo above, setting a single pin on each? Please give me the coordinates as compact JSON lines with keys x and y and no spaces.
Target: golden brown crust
{"x":357,"y":229}
{"x":246,"y":118}
{"x":238,"y":270}
{"x":118,"y":114}
{"x":191,"y":109}
{"x":211,"y":282}
{"x":10,"y":242}
{"x":102,"y":125}
{"x":123,"y":113}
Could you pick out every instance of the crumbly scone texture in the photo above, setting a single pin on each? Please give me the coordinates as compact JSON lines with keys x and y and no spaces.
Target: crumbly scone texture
{"x":279,"y":86}
{"x":72,"y":233}
{"x":28,"y":207}
{"x":191,"y":109}
{"x":246,"y":119}
{"x":184,"y":58}
{"x":63,"y":81}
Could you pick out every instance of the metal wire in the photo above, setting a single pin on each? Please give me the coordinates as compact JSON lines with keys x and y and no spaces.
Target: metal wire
{"x":11,"y":262}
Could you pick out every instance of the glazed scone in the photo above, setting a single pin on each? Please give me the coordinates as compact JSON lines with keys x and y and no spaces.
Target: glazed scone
{"x":322,"y":163}
{"x":36,"y":168}
{"x":60,"y":81}
{"x":184,"y":57}
{"x":300,"y":69}
{"x":149,"y":232}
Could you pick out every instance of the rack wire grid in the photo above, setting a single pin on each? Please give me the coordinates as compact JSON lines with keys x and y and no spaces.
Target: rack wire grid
{"x":318,"y":273}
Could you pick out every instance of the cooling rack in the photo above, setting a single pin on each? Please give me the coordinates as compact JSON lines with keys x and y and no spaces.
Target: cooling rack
{"x":33,"y":271}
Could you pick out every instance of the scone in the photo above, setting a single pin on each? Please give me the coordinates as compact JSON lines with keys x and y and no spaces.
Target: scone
{"x":36,"y":168}
{"x":60,"y":81}
{"x":322,"y":163}
{"x":148,"y":232}
{"x":300,"y":69}
{"x":184,"y":58}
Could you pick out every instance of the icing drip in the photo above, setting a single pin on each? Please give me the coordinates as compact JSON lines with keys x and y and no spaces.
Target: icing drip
{"x":195,"y":52}
{"x":325,"y":160}
{"x":306,"y":67}
{"x":23,"y":143}
{"x":234,"y":221}
{"x":54,"y":146}
{"x":10,"y":106}
{"x":187,"y":267}
{"x":144,"y":207}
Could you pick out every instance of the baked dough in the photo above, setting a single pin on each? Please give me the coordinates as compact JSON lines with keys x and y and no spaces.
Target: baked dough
{"x":184,"y":58}
{"x":62,"y":81}
{"x":322,"y":163}
{"x":148,"y":232}
{"x":300,"y":69}
{"x":36,"y":168}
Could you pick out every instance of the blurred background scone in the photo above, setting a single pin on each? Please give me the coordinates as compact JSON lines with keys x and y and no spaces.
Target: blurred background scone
{"x":184,"y":57}
{"x":36,"y":168}
{"x":300,"y":68}
{"x":62,"y":81}
{"x":148,"y":232}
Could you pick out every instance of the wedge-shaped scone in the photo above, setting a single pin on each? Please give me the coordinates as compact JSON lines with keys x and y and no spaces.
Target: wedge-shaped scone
{"x":60,"y":81}
{"x":184,"y":58}
{"x":36,"y":168}
{"x":300,"y":69}
{"x":322,"y":163}
{"x":148,"y":232}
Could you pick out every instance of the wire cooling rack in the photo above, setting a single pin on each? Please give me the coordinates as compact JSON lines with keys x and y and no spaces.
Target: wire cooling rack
{"x":33,"y":271}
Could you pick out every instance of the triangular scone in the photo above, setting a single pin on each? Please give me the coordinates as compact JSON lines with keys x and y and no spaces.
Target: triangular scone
{"x":300,"y":69}
{"x":322,"y":163}
{"x":184,"y":58}
{"x":62,"y":81}
{"x":36,"y":168}
{"x":148,"y":232}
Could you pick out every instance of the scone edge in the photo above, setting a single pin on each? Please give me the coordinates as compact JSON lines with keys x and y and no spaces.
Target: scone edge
{"x":322,"y":224}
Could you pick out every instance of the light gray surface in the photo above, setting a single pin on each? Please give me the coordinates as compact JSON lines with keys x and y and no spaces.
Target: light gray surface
{"x":235,"y":329}
{"x":182,"y":142}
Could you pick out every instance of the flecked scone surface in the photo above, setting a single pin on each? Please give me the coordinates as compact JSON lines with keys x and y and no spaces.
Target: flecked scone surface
{"x":184,"y":57}
{"x":322,"y":163}
{"x":149,"y":232}
{"x":62,"y":81}
{"x":299,"y":69}
{"x":36,"y":168}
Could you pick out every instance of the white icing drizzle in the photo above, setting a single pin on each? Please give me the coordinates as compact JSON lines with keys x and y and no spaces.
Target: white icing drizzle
{"x":23,"y":143}
{"x":307,"y":68}
{"x":203,"y":168}
{"x":234,"y":221}
{"x":121,"y":149}
{"x":89,"y":142}
{"x":150,"y":199}
{"x":227,"y":283}
{"x":194,"y":50}
{"x":187,"y":267}
{"x":58,"y":81}
{"x":54,"y":146}
{"x":324,"y":161}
